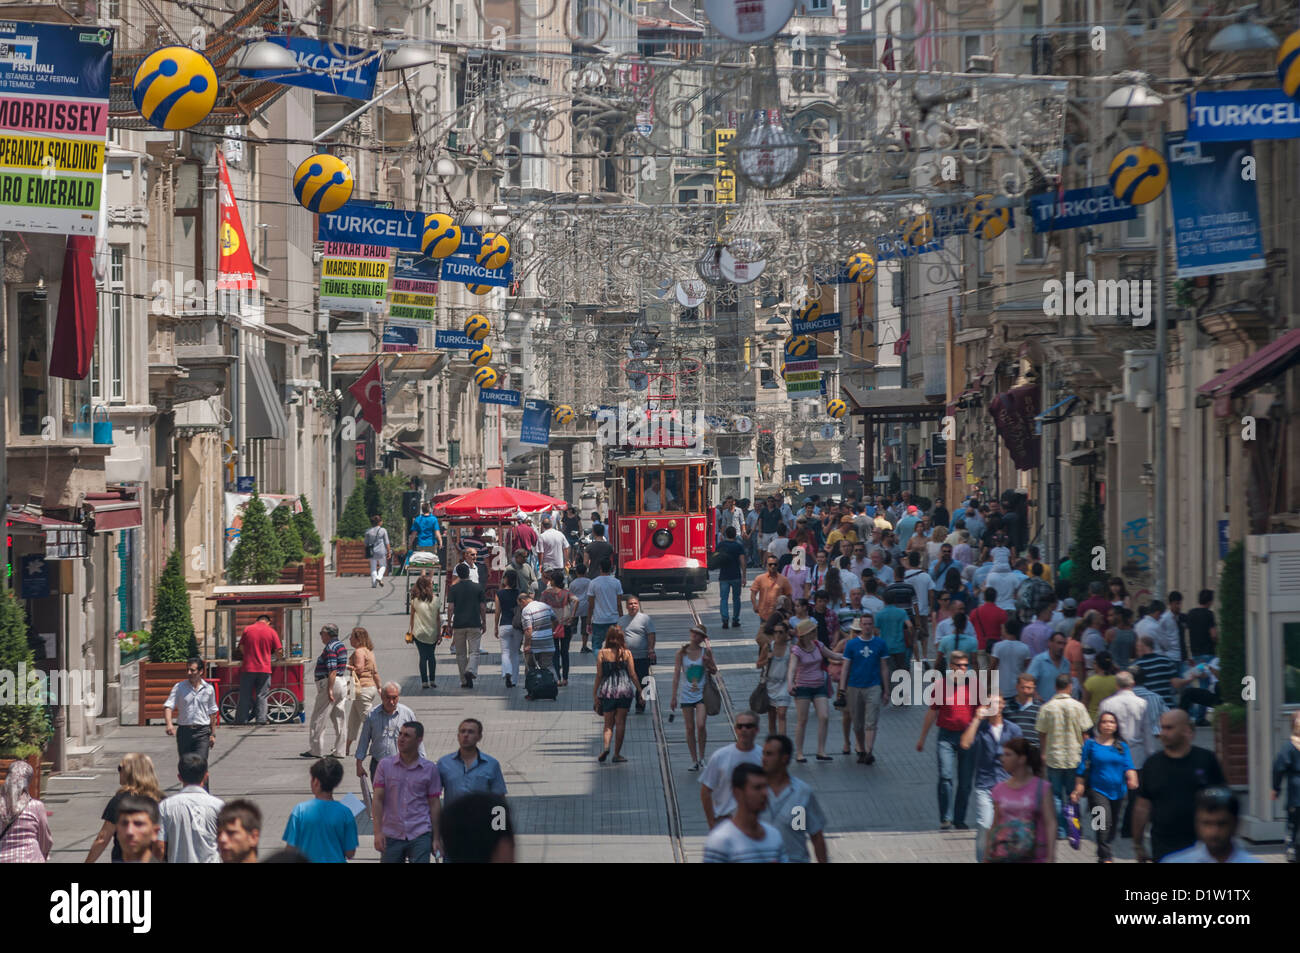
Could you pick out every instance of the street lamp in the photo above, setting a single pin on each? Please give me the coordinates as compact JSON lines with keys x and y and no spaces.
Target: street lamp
{"x":1138,"y":95}
{"x":406,"y":56}
{"x":1244,"y":35}
{"x":264,"y":55}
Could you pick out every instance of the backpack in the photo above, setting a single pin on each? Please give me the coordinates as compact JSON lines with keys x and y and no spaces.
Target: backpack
{"x":1034,"y":594}
{"x":899,"y":594}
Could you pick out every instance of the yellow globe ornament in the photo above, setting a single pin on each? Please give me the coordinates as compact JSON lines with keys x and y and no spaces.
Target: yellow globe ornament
{"x":174,"y":87}
{"x":485,"y":377}
{"x":480,"y":356}
{"x":1138,"y":175}
{"x":799,"y":346}
{"x":441,"y":237}
{"x":984,"y":220}
{"x":477,"y":327}
{"x":919,"y":229}
{"x":837,"y":408}
{"x":1288,"y":65}
{"x":862,"y":267}
{"x":563,"y":414}
{"x":495,"y":251}
{"x":479,"y":290}
{"x":811,"y":311}
{"x":322,"y":183}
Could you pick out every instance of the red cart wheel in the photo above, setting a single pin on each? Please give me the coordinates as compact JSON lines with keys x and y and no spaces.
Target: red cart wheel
{"x":230,"y":706}
{"x":281,"y":706}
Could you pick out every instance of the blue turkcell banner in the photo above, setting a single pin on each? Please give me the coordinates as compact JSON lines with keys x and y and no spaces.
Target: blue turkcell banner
{"x":453,"y":341}
{"x":493,"y":395}
{"x":325,"y":67}
{"x":827,"y":322}
{"x":390,"y":227}
{"x":467,"y":271}
{"x":1241,"y":114}
{"x":893,"y":246}
{"x":536,"y":425}
{"x":1215,"y":209}
{"x":1078,"y":208}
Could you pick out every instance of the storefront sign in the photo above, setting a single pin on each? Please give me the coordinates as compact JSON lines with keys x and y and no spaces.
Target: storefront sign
{"x":54,"y":83}
{"x":400,"y":338}
{"x":827,"y":322}
{"x":359,"y":224}
{"x":36,"y":577}
{"x":467,"y":271}
{"x":413,"y":291}
{"x":493,"y":395}
{"x":453,"y":341}
{"x":816,"y":477}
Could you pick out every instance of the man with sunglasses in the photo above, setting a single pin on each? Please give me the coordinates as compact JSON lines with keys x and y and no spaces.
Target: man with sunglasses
{"x":953,"y":715}
{"x":715,"y":782}
{"x":766,"y":591}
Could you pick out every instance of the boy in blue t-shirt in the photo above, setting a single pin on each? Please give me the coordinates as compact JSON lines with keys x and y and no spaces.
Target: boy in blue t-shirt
{"x":862,"y":680}
{"x":323,"y":829}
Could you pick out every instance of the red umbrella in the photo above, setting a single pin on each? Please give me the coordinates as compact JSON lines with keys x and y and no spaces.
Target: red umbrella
{"x":498,"y":501}
{"x":447,"y":495}
{"x":78,"y":315}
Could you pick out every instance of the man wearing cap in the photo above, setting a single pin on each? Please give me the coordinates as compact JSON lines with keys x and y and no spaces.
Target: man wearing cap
{"x":862,"y":680}
{"x":845,"y":530}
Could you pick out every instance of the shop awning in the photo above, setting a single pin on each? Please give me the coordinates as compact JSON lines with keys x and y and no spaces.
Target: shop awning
{"x":1079,"y":458}
{"x":39,"y":522}
{"x":1255,"y":371}
{"x":112,"y":512}
{"x":265,"y":417}
{"x":961,"y":401}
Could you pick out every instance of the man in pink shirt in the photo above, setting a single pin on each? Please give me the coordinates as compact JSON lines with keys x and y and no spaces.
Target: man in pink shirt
{"x":1096,"y":601}
{"x":258,"y":645}
{"x":406,"y":807}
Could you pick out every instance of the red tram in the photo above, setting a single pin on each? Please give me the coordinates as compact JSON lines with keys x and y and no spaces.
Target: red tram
{"x":662,"y":518}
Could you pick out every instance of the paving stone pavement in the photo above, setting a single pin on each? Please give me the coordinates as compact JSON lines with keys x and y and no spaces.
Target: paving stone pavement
{"x":566,"y":806}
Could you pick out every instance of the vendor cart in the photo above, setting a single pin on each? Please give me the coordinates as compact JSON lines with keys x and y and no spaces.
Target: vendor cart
{"x":236,"y":608}
{"x":417,"y":564}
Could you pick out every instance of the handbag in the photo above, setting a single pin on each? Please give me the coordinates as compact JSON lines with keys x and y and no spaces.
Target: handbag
{"x":712,"y":696}
{"x":760,"y":702}
{"x":410,"y":637}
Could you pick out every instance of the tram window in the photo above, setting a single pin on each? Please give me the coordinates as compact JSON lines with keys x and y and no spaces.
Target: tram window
{"x":697,"y":501}
{"x":674,"y":490}
{"x":629,"y":492}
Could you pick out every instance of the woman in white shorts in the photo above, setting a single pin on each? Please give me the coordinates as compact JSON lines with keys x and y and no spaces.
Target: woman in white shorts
{"x":775,"y":658}
{"x":694,"y":661}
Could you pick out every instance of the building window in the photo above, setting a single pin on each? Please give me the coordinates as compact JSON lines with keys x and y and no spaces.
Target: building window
{"x":117,"y":323}
{"x":187,"y":253}
{"x":819,"y":6}
{"x":1137,"y":231}
{"x":973,"y":46}
{"x":1033,"y":245}
{"x":1291,"y":662}
{"x":33,"y":342}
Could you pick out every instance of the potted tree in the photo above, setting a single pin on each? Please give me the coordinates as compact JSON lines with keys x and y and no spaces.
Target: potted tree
{"x":349,"y":543}
{"x":313,"y":553}
{"x":171,"y":642}
{"x":258,"y":556}
{"x":1087,"y":537}
{"x":292,"y":572}
{"x":1231,"y":741}
{"x":24,"y":727}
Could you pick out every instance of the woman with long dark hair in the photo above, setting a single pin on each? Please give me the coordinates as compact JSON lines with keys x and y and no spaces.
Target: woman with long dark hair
{"x":365,"y":676}
{"x":1024,"y":815}
{"x":836,"y":597}
{"x":1118,"y":593}
{"x":565,"y":607}
{"x":615,"y":687}
{"x":1105,"y":771}
{"x":956,"y":589}
{"x":511,"y":635}
{"x":424,"y":628}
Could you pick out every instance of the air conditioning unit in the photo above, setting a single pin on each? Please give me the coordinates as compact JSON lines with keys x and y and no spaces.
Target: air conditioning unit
{"x":1088,"y":427}
{"x":1139,"y":374}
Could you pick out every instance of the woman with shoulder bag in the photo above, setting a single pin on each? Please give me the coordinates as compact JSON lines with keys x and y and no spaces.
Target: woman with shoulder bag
{"x":377,"y":547}
{"x":423,"y":629}
{"x":24,"y":825}
{"x":365,"y":676}
{"x":773,"y":665}
{"x":614,"y":690}
{"x":695,"y":662}
{"x":510,"y":628}
{"x":1024,"y":815}
{"x":565,"y":606}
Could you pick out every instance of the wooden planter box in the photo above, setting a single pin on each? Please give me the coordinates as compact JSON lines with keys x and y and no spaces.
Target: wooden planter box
{"x":314,"y":576}
{"x":1232,"y":747}
{"x":350,"y":558}
{"x":34,"y":788}
{"x":292,"y":575}
{"x":156,"y":681}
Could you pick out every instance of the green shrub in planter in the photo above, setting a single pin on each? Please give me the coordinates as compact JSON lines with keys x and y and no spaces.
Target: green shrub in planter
{"x":1087,"y":536}
{"x":24,"y":729}
{"x":1232,"y":626}
{"x":286,"y":527}
{"x":258,"y":556}
{"x":354,"y":522}
{"x":172,"y":638}
{"x":305,"y":522}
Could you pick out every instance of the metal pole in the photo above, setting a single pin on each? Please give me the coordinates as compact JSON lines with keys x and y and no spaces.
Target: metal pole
{"x":4,"y":395}
{"x":355,"y":113}
{"x":1160,"y":419}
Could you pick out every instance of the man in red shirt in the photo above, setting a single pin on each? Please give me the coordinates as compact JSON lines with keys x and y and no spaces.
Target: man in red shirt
{"x":988,"y":620}
{"x":525,"y":536}
{"x":258,"y":644}
{"x":1096,"y":600}
{"x":953,"y":713}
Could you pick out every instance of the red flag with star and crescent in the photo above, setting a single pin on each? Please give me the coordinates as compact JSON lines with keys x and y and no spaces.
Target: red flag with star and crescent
{"x":235,"y":266}
{"x":369,"y":392}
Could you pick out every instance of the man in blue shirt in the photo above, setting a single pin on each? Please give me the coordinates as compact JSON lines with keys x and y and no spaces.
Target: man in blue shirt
{"x":731,"y":575}
{"x":322,"y":828}
{"x":863,"y":678}
{"x":426,"y":532}
{"x":896,"y":629}
{"x":1045,"y":666}
{"x":987,"y":733}
{"x":467,"y":769}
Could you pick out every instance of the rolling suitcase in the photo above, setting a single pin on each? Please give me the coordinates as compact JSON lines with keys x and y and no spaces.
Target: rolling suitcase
{"x":540,"y":684}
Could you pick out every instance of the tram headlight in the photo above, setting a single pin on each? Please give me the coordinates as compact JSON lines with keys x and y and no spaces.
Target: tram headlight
{"x":662,"y":538}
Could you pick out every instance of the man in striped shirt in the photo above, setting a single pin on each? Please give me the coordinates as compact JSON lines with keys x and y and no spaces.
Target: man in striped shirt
{"x":1022,"y":711}
{"x":329,"y":713}
{"x":1157,"y":670}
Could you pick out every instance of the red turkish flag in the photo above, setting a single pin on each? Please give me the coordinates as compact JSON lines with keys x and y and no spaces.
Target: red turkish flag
{"x":235,"y":266}
{"x":369,"y":392}
{"x":900,"y":346}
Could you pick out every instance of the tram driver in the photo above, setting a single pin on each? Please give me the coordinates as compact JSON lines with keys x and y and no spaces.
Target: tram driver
{"x":651,"y":501}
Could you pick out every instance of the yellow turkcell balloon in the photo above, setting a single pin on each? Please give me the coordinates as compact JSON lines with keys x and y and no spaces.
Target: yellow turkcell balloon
{"x":495,"y":251}
{"x":485,"y":377}
{"x":322,"y":183}
{"x":1138,"y":175}
{"x":441,"y":237}
{"x":174,"y":87}
{"x":862,"y":267}
{"x":837,"y":408}
{"x":477,"y":327}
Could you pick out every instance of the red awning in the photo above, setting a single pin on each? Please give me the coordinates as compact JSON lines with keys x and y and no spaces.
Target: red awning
{"x":1258,"y":369}
{"x":44,"y":522}
{"x":78,"y":319}
{"x":111,"y":516}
